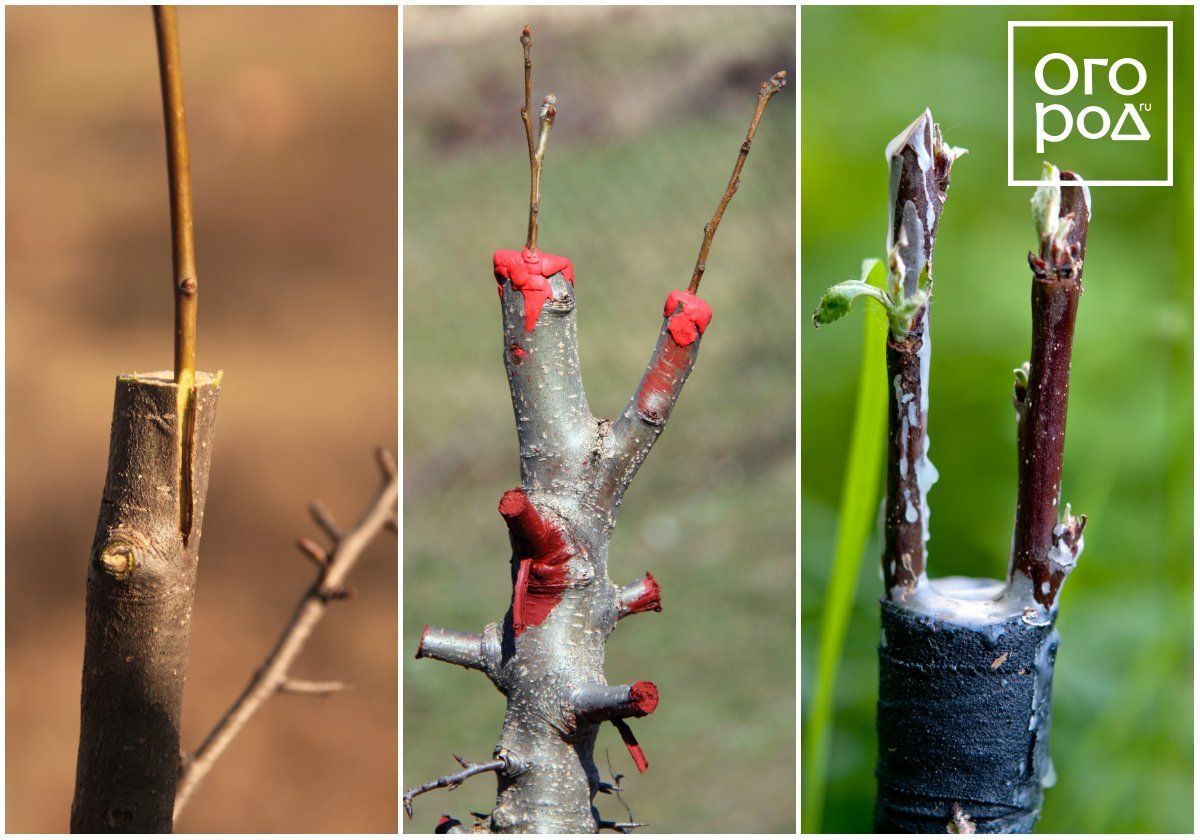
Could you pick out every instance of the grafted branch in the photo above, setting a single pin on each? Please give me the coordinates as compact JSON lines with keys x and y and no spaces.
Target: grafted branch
{"x":274,"y":675}
{"x":919,"y":176}
{"x":1045,"y":547}
{"x":970,"y":660}
{"x":546,"y":656}
{"x":537,"y":154}
{"x":183,"y":240}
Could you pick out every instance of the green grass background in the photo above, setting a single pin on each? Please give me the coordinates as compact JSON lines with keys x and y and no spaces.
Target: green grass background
{"x":653,"y":106}
{"x":1122,"y":734}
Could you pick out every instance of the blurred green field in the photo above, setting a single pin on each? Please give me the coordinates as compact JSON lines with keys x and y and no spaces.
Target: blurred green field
{"x":1122,"y":733}
{"x":653,"y":107}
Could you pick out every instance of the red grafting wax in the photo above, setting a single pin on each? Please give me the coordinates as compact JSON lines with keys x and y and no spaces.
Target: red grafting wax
{"x":650,"y":599}
{"x":644,"y":697}
{"x":631,"y":744}
{"x":542,"y":575}
{"x":692,"y":319}
{"x":529,"y":272}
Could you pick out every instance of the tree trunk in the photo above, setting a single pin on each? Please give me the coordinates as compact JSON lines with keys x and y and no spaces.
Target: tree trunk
{"x":141,"y":580}
{"x":547,"y":655}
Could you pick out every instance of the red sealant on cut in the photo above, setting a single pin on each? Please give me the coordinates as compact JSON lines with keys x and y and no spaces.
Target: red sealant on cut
{"x":631,"y":744}
{"x":644,"y":698}
{"x":649,"y":600}
{"x":446,"y":823}
{"x":543,"y":554}
{"x":530,"y":273}
{"x":687,"y":319}
{"x":690,"y":321}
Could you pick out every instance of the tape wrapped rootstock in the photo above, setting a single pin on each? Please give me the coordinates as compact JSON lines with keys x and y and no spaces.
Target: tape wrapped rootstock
{"x":963,"y":721}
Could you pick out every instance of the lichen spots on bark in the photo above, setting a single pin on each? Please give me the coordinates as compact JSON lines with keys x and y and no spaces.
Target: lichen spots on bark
{"x":530,"y":271}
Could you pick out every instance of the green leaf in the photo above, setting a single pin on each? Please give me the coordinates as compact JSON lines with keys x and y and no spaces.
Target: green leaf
{"x":835,"y":303}
{"x":856,"y":520}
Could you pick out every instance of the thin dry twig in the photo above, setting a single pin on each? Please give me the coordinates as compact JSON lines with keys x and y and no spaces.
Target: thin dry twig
{"x":273,"y":675}
{"x":537,"y":153}
{"x":768,"y":89}
{"x":183,"y":242}
{"x":620,"y":827}
{"x":451,"y":780}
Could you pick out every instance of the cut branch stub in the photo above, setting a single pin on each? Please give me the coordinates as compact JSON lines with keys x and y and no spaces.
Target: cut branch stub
{"x":643,"y":595}
{"x":141,"y":581}
{"x":541,"y":555}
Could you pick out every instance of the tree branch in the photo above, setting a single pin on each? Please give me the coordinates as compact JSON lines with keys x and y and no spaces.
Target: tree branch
{"x":1045,"y":548}
{"x":273,"y":675}
{"x":183,"y":242}
{"x":768,"y":89}
{"x":451,"y":780}
{"x":537,"y":155}
{"x":919,"y":164}
{"x":643,"y":595}
{"x":468,"y":650}
{"x":547,"y":655}
{"x":685,"y":318}
{"x":317,"y":687}
{"x":611,"y":702}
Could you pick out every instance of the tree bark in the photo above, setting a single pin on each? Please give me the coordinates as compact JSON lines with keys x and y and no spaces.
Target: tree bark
{"x":141,"y":581}
{"x":547,"y":655}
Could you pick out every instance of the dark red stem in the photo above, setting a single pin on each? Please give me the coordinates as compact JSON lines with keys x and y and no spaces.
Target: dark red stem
{"x":1042,"y":424}
{"x":903,"y":517}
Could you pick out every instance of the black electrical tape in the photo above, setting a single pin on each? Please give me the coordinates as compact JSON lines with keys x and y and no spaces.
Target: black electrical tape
{"x":963,"y":721}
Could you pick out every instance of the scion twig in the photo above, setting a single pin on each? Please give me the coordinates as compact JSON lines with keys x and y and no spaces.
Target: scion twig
{"x":537,"y":154}
{"x":768,"y":89}
{"x":183,"y":244}
{"x":273,"y":675}
{"x":1045,"y":547}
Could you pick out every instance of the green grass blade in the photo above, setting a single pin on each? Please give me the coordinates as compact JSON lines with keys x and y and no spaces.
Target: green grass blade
{"x":856,"y":518}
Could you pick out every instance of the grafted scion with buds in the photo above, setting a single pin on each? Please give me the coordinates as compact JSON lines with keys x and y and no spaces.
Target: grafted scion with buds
{"x":966,"y":663}
{"x":547,"y":655}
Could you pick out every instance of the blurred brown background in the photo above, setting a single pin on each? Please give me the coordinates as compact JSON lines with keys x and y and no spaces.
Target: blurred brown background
{"x":292,"y":118}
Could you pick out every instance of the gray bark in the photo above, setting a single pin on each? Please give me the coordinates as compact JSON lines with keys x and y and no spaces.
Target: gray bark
{"x":574,"y":470}
{"x":141,"y":580}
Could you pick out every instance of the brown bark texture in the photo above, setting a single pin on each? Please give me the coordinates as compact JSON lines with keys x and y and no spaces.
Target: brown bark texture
{"x":141,"y":581}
